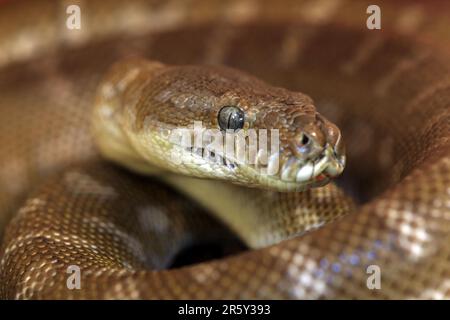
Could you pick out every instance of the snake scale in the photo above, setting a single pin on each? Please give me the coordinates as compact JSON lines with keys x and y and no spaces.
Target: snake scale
{"x":63,"y":204}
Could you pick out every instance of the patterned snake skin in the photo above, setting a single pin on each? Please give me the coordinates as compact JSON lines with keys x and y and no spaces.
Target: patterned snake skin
{"x":388,"y":91}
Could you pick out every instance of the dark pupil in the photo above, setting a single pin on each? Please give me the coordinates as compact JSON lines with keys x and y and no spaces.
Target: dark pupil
{"x":231,"y":118}
{"x":305,"y":139}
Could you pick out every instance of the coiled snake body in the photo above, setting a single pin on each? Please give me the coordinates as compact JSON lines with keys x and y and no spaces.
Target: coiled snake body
{"x":62,"y":204}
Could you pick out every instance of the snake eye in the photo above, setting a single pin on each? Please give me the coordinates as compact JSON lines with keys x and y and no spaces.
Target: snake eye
{"x":304,"y":139}
{"x":231,"y":118}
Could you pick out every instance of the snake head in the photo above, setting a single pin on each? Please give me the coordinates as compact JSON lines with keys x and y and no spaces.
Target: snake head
{"x":311,"y":150}
{"x":268,"y":137}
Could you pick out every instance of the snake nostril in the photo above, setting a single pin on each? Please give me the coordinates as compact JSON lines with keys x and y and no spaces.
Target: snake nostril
{"x":302,"y":145}
{"x":304,"y":140}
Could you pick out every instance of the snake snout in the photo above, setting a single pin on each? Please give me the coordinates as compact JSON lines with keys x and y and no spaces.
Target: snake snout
{"x":310,"y":138}
{"x":335,"y":148}
{"x":318,"y":145}
{"x":333,"y":136}
{"x":334,"y":139}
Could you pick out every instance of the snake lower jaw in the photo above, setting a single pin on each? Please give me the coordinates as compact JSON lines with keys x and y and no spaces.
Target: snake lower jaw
{"x":293,"y":175}
{"x":315,"y":172}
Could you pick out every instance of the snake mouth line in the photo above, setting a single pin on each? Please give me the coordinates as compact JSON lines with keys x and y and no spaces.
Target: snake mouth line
{"x":317,"y":172}
{"x":213,"y":157}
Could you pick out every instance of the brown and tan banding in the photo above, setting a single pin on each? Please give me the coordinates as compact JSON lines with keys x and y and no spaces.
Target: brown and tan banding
{"x":61,"y":203}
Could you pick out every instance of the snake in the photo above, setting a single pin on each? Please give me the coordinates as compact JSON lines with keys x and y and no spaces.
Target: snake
{"x":92,"y":177}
